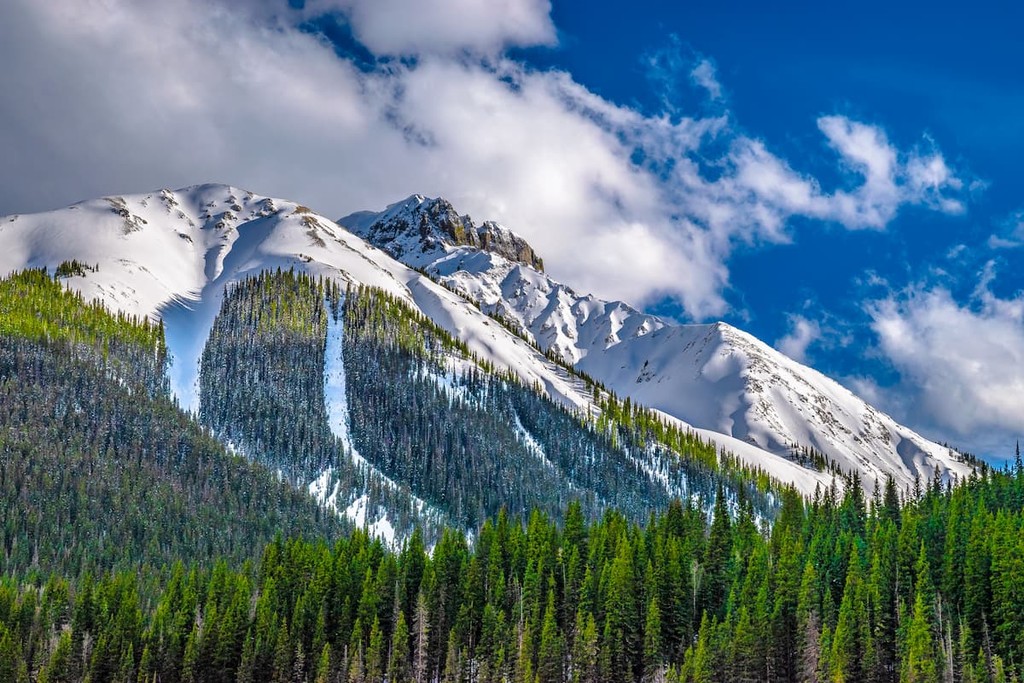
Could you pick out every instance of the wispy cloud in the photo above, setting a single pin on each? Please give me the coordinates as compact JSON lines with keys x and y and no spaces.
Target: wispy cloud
{"x":891,"y":177}
{"x":681,"y":77}
{"x":704,"y":75}
{"x":961,"y":365}
{"x":1010,"y":234}
{"x":802,"y":333}
{"x":111,"y":96}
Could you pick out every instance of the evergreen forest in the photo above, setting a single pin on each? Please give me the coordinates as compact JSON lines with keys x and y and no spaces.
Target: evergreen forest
{"x":99,"y":468}
{"x":437,"y":436}
{"x":840,"y":588}
{"x":138,"y":547}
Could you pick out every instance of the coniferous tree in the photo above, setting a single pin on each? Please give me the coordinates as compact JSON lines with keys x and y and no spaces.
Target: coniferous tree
{"x":717,"y":556}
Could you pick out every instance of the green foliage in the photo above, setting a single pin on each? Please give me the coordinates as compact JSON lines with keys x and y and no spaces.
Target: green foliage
{"x":35,"y":307}
{"x":103,"y":479}
{"x":432,"y":419}
{"x":261,"y":373}
{"x":262,"y":390}
{"x":432,"y":415}
{"x":73,"y":268}
{"x":510,"y":608}
{"x":98,"y":467}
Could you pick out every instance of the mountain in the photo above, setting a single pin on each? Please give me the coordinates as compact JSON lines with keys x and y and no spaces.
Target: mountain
{"x":714,"y":377}
{"x":390,"y":398}
{"x":436,"y":391}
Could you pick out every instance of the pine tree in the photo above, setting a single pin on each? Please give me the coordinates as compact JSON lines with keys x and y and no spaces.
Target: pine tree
{"x":375,"y":653}
{"x":10,"y":657}
{"x":421,"y":626}
{"x":398,"y":666}
{"x":978,"y":578}
{"x":808,"y":615}
{"x":699,"y":663}
{"x":549,"y":655}
{"x":622,"y":640}
{"x":323,"y":666}
{"x":921,"y":661}
{"x":453,"y":661}
{"x":585,"y":655}
{"x":849,"y":641}
{"x":716,"y":558}
{"x":653,"y":661}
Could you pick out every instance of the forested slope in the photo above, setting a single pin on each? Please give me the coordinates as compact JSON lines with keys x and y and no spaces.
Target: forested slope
{"x":427,"y":412}
{"x":431,"y":434}
{"x":98,"y":467}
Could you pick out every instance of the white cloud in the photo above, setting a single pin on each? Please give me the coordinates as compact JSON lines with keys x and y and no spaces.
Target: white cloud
{"x":704,"y":75}
{"x":112,"y":96}
{"x":961,"y":366}
{"x":802,"y":334}
{"x":410,"y":27}
{"x":890,"y":178}
{"x":1011,"y":234}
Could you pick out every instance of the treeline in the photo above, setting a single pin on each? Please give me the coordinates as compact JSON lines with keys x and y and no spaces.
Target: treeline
{"x":835,"y":590}
{"x":261,"y":387}
{"x":475,"y":440}
{"x":98,"y":467}
{"x":432,"y":421}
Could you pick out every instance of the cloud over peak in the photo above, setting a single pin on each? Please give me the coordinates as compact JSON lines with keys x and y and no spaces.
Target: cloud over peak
{"x":132,"y":96}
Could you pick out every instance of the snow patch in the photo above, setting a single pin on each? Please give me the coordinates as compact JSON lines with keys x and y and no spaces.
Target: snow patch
{"x":335,"y":382}
{"x":527,"y":439}
{"x":320,"y":486}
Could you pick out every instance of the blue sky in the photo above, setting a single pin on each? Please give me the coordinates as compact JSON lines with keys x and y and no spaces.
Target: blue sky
{"x":841,"y":182}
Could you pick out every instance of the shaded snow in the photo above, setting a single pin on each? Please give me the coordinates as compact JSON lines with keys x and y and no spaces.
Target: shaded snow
{"x":335,"y":385}
{"x":527,"y":439}
{"x":323,"y":492}
{"x":381,"y":528}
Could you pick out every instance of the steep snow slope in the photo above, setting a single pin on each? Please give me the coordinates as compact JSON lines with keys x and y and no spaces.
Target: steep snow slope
{"x":170,"y":254}
{"x":714,"y":377}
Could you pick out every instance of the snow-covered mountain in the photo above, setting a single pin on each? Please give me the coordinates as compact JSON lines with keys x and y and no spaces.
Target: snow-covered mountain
{"x":170,"y":255}
{"x":173,"y":255}
{"x":715,"y":377}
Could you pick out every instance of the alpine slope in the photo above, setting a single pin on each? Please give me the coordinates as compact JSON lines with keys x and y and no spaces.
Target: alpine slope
{"x":169,"y":255}
{"x":715,"y":377}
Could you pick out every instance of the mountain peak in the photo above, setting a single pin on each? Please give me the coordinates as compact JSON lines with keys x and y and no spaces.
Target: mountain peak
{"x":420,"y":225}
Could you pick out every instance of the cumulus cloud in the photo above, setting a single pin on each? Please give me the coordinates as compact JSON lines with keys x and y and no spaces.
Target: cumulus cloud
{"x":112,"y":96}
{"x":802,"y":333}
{"x":412,"y":27}
{"x":961,"y":366}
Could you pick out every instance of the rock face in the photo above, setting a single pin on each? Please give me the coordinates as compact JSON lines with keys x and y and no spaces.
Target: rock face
{"x":420,"y":225}
{"x":498,"y":239}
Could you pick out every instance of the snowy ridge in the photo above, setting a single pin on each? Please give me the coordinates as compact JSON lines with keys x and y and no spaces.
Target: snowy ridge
{"x":170,"y":255}
{"x":737,"y":391}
